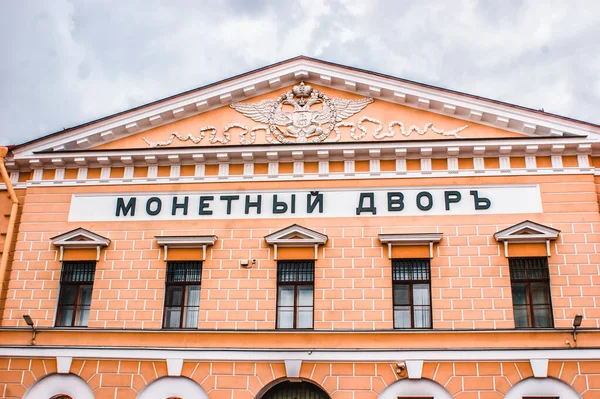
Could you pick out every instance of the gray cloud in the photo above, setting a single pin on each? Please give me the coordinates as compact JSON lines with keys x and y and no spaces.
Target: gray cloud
{"x":68,"y":62}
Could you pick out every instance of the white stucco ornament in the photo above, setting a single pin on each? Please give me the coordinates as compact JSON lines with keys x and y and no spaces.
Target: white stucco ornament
{"x":302,"y":125}
{"x":194,"y":139}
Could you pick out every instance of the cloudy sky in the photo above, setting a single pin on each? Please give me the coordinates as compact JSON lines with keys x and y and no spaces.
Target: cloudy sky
{"x":67,"y":62}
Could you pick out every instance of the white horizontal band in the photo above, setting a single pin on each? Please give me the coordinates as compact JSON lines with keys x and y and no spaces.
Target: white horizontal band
{"x":309,"y":355}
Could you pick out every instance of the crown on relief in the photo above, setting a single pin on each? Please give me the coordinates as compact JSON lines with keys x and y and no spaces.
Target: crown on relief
{"x":302,"y":90}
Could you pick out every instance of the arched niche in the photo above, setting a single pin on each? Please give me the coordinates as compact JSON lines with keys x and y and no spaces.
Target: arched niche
{"x":173,"y":388}
{"x":60,"y":386}
{"x":541,"y":387}
{"x":420,"y":387}
{"x":286,"y":387}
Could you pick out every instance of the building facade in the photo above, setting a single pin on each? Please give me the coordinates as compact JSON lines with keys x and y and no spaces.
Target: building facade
{"x":305,"y":230}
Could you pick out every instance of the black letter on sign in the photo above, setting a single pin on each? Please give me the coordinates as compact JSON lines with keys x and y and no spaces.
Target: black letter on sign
{"x":480,"y":202}
{"x":361,"y":204}
{"x":451,"y":197}
{"x":250,"y":204}
{"x":204,"y":204}
{"x":318,"y":199}
{"x":156,"y":211}
{"x":429,"y":198}
{"x":279,"y":207}
{"x":229,"y":198}
{"x":395,"y":202}
{"x":121,"y":208}
{"x":177,"y":205}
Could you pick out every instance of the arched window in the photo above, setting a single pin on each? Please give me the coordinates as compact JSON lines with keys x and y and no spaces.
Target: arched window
{"x":540,"y":388}
{"x":286,"y":389}
{"x":173,"y":388}
{"x":300,"y":390}
{"x":60,"y":386}
{"x":421,"y":388}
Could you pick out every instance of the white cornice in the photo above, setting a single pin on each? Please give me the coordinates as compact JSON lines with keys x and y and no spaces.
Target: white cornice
{"x":308,"y":355}
{"x":410,"y":239}
{"x":310,"y":152}
{"x":436,"y":100}
{"x":186,"y":241}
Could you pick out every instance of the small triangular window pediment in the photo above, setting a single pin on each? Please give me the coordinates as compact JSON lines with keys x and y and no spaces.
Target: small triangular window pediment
{"x":296,"y":236}
{"x":80,"y":238}
{"x":527,"y":232}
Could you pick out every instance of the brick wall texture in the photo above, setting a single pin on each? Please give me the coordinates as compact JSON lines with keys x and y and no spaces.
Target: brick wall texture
{"x":113,"y":379}
{"x":353,"y":290}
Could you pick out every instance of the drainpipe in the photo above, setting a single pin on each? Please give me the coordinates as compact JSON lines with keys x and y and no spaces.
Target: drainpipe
{"x":13,"y":216}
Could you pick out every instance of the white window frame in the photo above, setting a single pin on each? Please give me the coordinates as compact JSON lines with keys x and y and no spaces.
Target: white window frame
{"x":60,"y":384}
{"x":541,"y":387}
{"x":166,"y":387}
{"x":415,"y":388}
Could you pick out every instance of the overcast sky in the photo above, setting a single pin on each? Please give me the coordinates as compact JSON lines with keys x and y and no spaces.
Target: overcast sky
{"x":65,"y":62}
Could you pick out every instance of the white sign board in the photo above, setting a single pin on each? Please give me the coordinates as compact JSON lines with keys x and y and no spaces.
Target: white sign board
{"x":393,"y":201}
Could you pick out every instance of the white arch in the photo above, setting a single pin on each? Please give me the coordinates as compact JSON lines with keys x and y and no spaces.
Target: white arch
{"x":418,"y":387}
{"x":167,"y":387}
{"x":60,"y":384}
{"x":541,"y":387}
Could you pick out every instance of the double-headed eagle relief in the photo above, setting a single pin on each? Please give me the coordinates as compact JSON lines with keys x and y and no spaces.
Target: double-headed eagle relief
{"x":302,"y":125}
{"x":290,"y":119}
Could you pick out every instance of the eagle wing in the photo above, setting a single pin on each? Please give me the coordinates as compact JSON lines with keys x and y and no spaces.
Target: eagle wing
{"x":344,"y":109}
{"x":260,"y":112}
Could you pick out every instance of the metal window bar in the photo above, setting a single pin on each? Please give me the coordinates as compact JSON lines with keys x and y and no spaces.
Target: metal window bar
{"x":411,"y":270}
{"x":527,"y":269}
{"x":184,"y":271}
{"x":296,"y":271}
{"x":78,"y":272}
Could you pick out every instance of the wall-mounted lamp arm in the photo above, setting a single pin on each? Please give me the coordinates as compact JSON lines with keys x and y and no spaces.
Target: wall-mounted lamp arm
{"x":30,"y":323}
{"x":576,"y":323}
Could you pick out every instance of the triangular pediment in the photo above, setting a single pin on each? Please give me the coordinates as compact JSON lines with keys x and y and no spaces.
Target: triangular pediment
{"x":80,"y":238}
{"x":296,"y":236}
{"x":365,"y":106}
{"x":527,"y":232}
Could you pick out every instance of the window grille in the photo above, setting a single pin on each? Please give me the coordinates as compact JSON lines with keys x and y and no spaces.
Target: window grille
{"x":76,"y":285}
{"x":295,"y":293}
{"x":411,"y":280}
{"x":530,"y":285}
{"x":182,"y":294}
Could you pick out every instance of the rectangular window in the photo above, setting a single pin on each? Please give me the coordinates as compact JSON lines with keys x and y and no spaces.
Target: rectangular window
{"x":182,"y":294}
{"x":530,"y":283}
{"x":295,"y":287}
{"x":411,"y":280}
{"x":76,"y":284}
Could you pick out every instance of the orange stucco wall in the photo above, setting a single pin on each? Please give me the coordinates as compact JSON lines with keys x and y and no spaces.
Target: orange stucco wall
{"x":470,"y":280}
{"x":111,"y":379}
